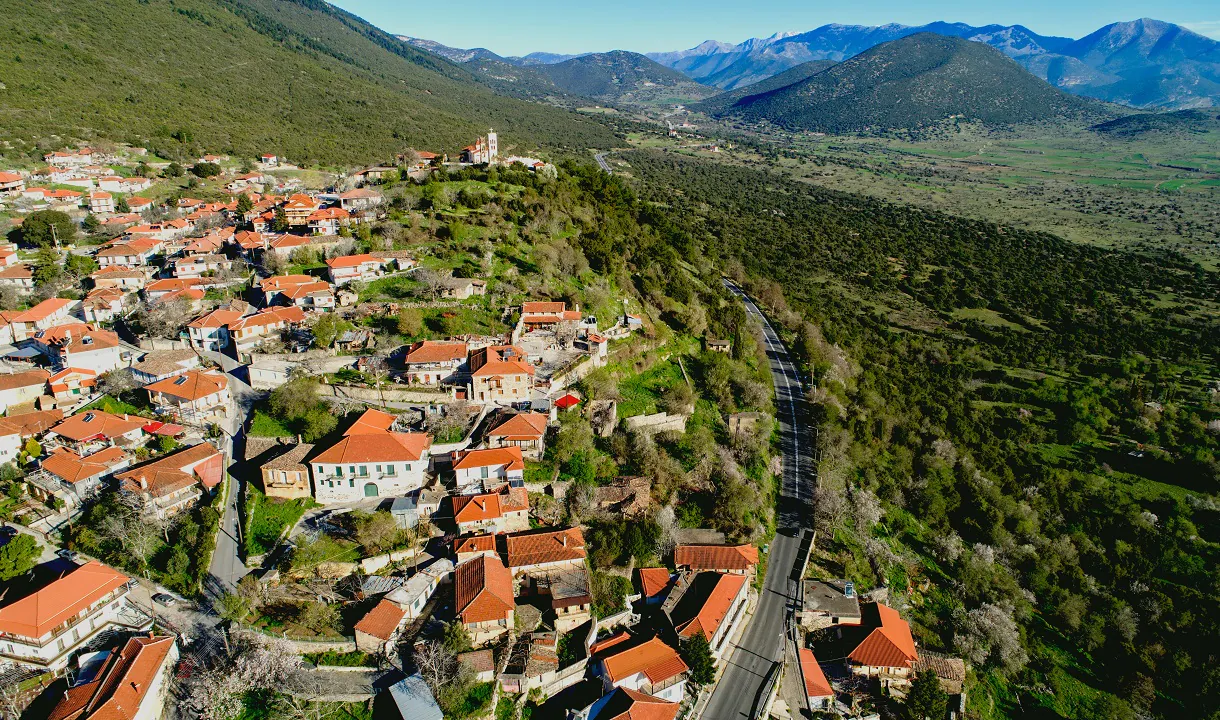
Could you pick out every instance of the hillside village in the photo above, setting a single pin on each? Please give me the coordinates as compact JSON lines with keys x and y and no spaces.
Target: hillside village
{"x":328,"y":423}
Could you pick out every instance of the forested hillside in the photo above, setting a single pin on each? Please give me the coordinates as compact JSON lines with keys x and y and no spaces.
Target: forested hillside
{"x":1019,"y":435}
{"x":912,"y":82}
{"x":299,"y":78}
{"x":722,"y":102}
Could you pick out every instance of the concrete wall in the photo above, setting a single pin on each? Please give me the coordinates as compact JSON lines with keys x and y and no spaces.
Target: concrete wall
{"x":658,"y":422}
{"x":389,"y":393}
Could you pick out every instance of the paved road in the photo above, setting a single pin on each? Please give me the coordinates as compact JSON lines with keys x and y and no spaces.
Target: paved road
{"x":763,"y":641}
{"x":601,"y":162}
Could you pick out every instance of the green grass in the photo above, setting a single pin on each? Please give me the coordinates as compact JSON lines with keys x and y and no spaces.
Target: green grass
{"x":639,"y":393}
{"x":539,"y":472}
{"x":333,"y":658}
{"x":475,"y":703}
{"x":114,"y":406}
{"x":264,"y":425}
{"x":268,"y":517}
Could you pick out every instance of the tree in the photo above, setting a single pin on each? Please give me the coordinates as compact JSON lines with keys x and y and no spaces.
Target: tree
{"x":377,"y":532}
{"x":92,"y":223}
{"x":79,"y":266}
{"x":18,"y":556}
{"x":697,"y":652}
{"x":926,"y":700}
{"x":47,"y":268}
{"x":279,"y":220}
{"x":410,"y":323}
{"x":991,"y":637}
{"x":244,"y":204}
{"x":295,"y":398}
{"x":47,"y":227}
{"x":32,"y":449}
{"x":319,"y":617}
{"x":317,"y":423}
{"x":172,"y":170}
{"x":457,"y":639}
{"x":121,"y":206}
{"x":233,"y":607}
{"x":205,"y":170}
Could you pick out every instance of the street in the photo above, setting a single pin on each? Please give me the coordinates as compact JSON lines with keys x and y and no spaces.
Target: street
{"x":762,"y":644}
{"x":601,"y":162}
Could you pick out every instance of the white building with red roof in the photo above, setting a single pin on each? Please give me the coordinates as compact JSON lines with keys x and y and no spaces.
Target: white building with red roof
{"x":479,"y":471}
{"x":652,"y":667}
{"x":500,"y":374}
{"x":129,"y":683}
{"x":172,"y":483}
{"x":21,"y":387}
{"x":371,"y":460}
{"x":78,"y":345}
{"x":327,"y":221}
{"x":72,"y":384}
{"x":431,"y":362}
{"x":524,"y":431}
{"x":46,"y":314}
{"x":195,"y":396}
{"x":735,"y":559}
{"x":43,"y":629}
{"x":350,"y":268}
{"x":818,"y":692}
{"x":11,"y":184}
{"x":711,"y":604}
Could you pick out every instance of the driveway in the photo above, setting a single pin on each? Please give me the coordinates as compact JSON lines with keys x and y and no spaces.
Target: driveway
{"x":762,"y":644}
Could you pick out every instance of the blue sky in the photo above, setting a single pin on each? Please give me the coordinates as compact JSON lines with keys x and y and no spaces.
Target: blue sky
{"x":569,"y":26}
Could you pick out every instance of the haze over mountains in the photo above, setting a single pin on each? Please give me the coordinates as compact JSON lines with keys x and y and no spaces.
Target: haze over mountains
{"x":1144,"y":63}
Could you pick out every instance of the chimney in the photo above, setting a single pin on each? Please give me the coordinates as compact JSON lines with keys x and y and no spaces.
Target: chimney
{"x":143,"y":483}
{"x":564,"y":539}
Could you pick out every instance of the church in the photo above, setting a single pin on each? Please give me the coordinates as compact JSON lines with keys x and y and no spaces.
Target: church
{"x":483,"y":152}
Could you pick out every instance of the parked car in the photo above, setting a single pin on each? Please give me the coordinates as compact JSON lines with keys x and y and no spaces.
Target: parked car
{"x":165,"y":599}
{"x":66,"y":554}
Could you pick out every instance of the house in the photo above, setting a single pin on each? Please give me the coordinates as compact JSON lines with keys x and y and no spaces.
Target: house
{"x":535,"y":551}
{"x":317,"y":295}
{"x":195,"y":396}
{"x":211,"y":331}
{"x":196,"y":266}
{"x":43,"y":629}
{"x":102,"y":304}
{"x":273,"y":286}
{"x":8,"y":255}
{"x":270,"y":160}
{"x":355,"y":340}
{"x":161,"y":364}
{"x":96,"y":429}
{"x":478,"y":471}
{"x":377,"y":630}
{"x":709,"y":604}
{"x":454,"y":288}
{"x":210,"y":244}
{"x":828,"y":603}
{"x":736,"y":559}
{"x":131,"y":683}
{"x":139,"y":204}
{"x":654,"y":584}
{"x":16,"y":429}
{"x":360,"y":199}
{"x":62,"y":159}
{"x":482,"y":664}
{"x":414,"y":700}
{"x":17,"y":276}
{"x":546,"y":315}
{"x":11,"y":184}
{"x":44,"y":315}
{"x":720,"y":346}
{"x":533,"y":662}
{"x":887,"y":651}
{"x":73,"y":478}
{"x":524,"y":431}
{"x":625,"y":704}
{"x":327,"y":221}
{"x":171,"y":483}
{"x":483,"y":597}
{"x":818,"y":692}
{"x":499,"y":373}
{"x":472,"y":546}
{"x":120,"y":278}
{"x":429,"y":362}
{"x":652,"y":668}
{"x":286,"y":475}
{"x":135,"y":252}
{"x":370,"y":461}
{"x":250,"y":331}
{"x":101,"y":203}
{"x":77,"y":345}
{"x":72,"y":384}
{"x":298,"y":208}
{"x":491,"y":512}
{"x":22,"y":387}
{"x":350,"y":268}
{"x":415,"y":593}
{"x":270,"y":373}
{"x":175,"y":289}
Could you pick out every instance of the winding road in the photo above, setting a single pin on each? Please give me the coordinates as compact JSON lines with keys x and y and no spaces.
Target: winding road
{"x":762,"y":645}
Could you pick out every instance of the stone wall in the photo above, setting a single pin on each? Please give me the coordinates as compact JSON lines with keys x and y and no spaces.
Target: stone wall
{"x":656,"y":423}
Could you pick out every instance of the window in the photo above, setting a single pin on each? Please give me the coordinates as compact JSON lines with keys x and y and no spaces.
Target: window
{"x":364,"y":471}
{"x":392,"y":470}
{"x":351,"y":482}
{"x":339,"y":471}
{"x":483,"y":472}
{"x":408,"y":467}
{"x":377,"y":468}
{"x":351,"y":469}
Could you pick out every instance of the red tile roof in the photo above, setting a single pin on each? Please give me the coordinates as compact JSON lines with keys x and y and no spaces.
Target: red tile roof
{"x":537,"y":548}
{"x":499,"y":360}
{"x":44,"y":310}
{"x":38,"y":614}
{"x":376,"y":447}
{"x":659,"y":662}
{"x":428,"y":351}
{"x":348,"y":261}
{"x":521,"y":427}
{"x":475,"y":508}
{"x":73,"y":468}
{"x":98,"y":424}
{"x":627,"y":704}
{"x":29,"y":378}
{"x":483,"y":590}
{"x":543,"y":307}
{"x":382,"y":620}
{"x":653,"y":581}
{"x":31,"y":423}
{"x":372,"y":422}
{"x":474,"y":544}
{"x":122,"y":684}
{"x":712,"y":608}
{"x":508,"y":457}
{"x":716,"y":557}
{"x":889,"y":644}
{"x":815,"y":680}
{"x":169,"y":474}
{"x":190,"y":385}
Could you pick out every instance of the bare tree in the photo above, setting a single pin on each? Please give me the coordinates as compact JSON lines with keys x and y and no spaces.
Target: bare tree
{"x":433,"y":280}
{"x":565,"y":333}
{"x":436,"y":664}
{"x":668,"y":523}
{"x":255,"y":662}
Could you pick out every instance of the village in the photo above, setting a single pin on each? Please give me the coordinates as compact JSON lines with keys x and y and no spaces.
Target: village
{"x":296,"y":428}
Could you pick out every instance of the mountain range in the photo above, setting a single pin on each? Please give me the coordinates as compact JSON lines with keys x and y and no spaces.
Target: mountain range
{"x":911,"y":82}
{"x":1144,"y":63}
